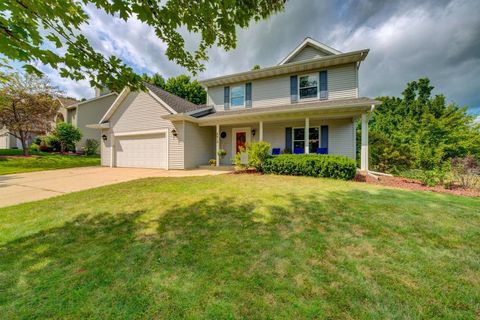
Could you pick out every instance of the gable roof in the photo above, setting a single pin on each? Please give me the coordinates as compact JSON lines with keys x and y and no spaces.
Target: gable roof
{"x":178,"y":104}
{"x":78,"y":103}
{"x":311,"y":43}
{"x":169,"y":101}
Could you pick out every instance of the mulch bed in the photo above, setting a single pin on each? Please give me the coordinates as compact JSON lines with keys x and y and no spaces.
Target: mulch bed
{"x":412,"y":184}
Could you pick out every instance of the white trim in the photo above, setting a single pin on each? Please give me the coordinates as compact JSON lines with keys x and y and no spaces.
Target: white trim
{"x":260,"y":128}
{"x":244,"y":96}
{"x":115,"y":105}
{"x":138,"y":133}
{"x":72,"y":106}
{"x":309,"y":41}
{"x":104,"y":125}
{"x":163,"y":103}
{"x":248,"y":138}
{"x":112,"y":149}
{"x":217,"y":144}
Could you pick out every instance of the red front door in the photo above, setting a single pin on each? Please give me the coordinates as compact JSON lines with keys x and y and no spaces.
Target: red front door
{"x":241,"y":139}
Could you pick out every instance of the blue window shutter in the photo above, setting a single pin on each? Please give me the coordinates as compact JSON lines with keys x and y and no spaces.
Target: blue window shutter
{"x":293,"y":89}
{"x":323,"y":81}
{"x":248,"y":94}
{"x":226,"y":98}
{"x":288,"y":139}
{"x":324,"y":137}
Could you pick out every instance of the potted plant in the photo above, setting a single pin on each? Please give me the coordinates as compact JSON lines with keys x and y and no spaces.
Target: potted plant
{"x":222,"y":153}
{"x":212,"y":162}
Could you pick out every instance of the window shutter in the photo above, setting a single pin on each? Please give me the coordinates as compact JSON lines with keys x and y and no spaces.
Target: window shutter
{"x":324,"y":137}
{"x":248,"y":95}
{"x":293,"y":89}
{"x":323,"y":81}
{"x":288,"y":139}
{"x":226,"y":98}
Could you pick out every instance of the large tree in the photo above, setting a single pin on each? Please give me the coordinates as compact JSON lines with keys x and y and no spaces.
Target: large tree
{"x":420,"y":131}
{"x":181,"y":86}
{"x":49,"y":31}
{"x":27,"y":106}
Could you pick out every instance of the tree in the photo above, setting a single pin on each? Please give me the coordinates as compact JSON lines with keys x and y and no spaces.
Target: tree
{"x":27,"y":106}
{"x":181,"y":86}
{"x":50,"y":32}
{"x":419,"y":131}
{"x":256,"y":67}
{"x":67,"y":135}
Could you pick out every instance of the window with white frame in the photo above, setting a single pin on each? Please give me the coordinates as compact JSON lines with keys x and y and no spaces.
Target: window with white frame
{"x":313,"y":139}
{"x":237,"y":96}
{"x":308,"y":86}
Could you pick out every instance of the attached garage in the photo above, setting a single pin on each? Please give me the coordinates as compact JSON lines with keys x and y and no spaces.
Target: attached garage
{"x":142,"y":150}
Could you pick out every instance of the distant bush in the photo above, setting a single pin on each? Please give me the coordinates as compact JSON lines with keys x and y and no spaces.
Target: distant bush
{"x":466,"y":171}
{"x":91,"y":147}
{"x":313,"y":165}
{"x":258,"y":153}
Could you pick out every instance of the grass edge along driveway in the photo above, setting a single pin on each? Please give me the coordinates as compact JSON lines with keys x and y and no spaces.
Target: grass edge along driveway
{"x":241,"y":246}
{"x":11,"y":163}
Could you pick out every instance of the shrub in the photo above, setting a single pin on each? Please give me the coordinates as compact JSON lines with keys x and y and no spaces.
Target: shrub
{"x":258,"y":153}
{"x":68,"y":135}
{"x":466,"y":171}
{"x":50,"y":143}
{"x":313,"y":165}
{"x":34,"y":147}
{"x":91,"y":147}
{"x":237,"y":160}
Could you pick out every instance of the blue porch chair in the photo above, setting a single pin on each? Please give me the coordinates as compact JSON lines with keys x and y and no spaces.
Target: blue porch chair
{"x":275,"y":151}
{"x":322,"y":150}
{"x":298,"y":150}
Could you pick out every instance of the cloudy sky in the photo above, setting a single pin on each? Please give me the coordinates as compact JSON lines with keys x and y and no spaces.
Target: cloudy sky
{"x":407,"y":40}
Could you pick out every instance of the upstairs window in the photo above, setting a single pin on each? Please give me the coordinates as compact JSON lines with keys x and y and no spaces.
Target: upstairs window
{"x":308,"y":86}
{"x":237,"y":96}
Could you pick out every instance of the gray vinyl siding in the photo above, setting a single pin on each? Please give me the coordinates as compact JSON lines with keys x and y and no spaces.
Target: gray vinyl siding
{"x":307,"y":53}
{"x":141,"y":112}
{"x":199,"y":145}
{"x":91,"y":113}
{"x":105,"y":149}
{"x":342,"y":84}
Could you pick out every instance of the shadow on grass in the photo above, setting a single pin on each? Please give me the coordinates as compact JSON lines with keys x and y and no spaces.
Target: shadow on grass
{"x":321,"y":256}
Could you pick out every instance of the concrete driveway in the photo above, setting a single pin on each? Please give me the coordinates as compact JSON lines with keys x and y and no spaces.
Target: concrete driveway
{"x":25,"y":187}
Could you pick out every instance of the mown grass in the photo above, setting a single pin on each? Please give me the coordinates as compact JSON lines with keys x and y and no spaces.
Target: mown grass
{"x":240,"y":246}
{"x":42,"y":161}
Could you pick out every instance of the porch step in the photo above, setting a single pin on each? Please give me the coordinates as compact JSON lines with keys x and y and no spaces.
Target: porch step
{"x":219,"y":168}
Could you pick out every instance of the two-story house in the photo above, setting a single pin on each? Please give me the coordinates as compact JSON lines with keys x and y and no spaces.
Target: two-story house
{"x":308,"y":103}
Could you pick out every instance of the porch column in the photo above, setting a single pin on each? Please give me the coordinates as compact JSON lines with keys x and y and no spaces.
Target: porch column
{"x":364,"y":150}
{"x":307,"y":137}
{"x":217,"y":145}
{"x":260,"y":128}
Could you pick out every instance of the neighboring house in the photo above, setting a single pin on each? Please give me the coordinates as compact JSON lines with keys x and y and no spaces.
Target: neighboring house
{"x":87,"y":112}
{"x":8,"y":141}
{"x":308,"y":103}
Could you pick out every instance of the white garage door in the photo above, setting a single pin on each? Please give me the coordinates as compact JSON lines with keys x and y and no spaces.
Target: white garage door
{"x":141,"y":151}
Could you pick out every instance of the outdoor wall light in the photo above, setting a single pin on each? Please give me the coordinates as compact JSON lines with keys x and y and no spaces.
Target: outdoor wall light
{"x":174,"y":132}
{"x":104,"y":137}
{"x":253,"y":132}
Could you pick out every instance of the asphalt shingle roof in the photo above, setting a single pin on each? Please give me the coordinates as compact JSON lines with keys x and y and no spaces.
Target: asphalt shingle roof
{"x":175,"y":102}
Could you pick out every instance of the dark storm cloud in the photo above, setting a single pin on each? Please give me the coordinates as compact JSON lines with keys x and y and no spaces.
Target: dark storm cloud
{"x":408,"y":39}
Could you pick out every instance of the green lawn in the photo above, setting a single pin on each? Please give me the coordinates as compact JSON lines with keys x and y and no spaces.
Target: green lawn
{"x":42,"y":161}
{"x":241,"y":246}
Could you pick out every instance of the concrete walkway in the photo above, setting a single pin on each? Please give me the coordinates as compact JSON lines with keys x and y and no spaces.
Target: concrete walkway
{"x":31,"y":186}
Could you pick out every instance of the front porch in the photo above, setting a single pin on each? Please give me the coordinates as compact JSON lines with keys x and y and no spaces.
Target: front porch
{"x":313,"y":134}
